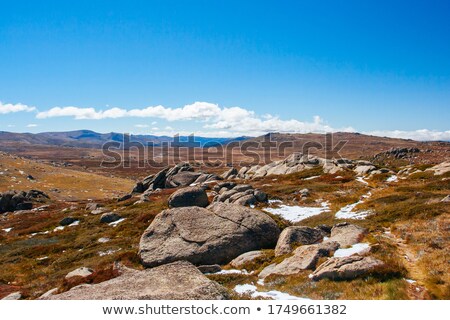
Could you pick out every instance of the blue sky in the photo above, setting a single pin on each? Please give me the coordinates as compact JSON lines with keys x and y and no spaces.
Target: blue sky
{"x":226,"y":67}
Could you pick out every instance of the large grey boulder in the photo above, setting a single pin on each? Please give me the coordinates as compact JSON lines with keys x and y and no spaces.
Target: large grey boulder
{"x":346,"y":268}
{"x":188,"y":197}
{"x":347,"y":234}
{"x":176,"y":281}
{"x":206,"y":236}
{"x":294,"y":236}
{"x":303,"y":258}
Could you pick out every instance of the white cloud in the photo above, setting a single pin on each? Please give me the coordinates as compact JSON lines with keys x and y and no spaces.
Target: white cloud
{"x":32,"y":125}
{"x":419,"y":135}
{"x":10,"y":108}
{"x":225,"y":121}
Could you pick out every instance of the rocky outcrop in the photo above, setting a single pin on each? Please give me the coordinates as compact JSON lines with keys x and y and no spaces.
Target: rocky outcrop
{"x":230,"y":174}
{"x":303,"y":258}
{"x":13,"y":201}
{"x":176,"y":281}
{"x":397,"y":153}
{"x":180,"y":175}
{"x":296,"y":162}
{"x":242,"y":194}
{"x":440,"y":169}
{"x":189,"y":197}
{"x":295,"y":236}
{"x":346,"y":268}
{"x":215,"y":235}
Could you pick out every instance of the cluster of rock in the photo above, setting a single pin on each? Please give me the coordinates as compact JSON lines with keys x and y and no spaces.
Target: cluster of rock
{"x":14,"y":201}
{"x":397,"y":153}
{"x":242,"y":194}
{"x":305,"y":246}
{"x":180,"y":175}
{"x":298,"y":162}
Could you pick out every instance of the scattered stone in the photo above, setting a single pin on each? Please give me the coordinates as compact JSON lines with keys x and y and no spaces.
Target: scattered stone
{"x":92,"y":206}
{"x":67,"y":221}
{"x":295,"y":236}
{"x":346,"y":268}
{"x":188,"y":197}
{"x":80,"y":272}
{"x":213,"y":268}
{"x":260,"y":196}
{"x":245,"y":258}
{"x":215,"y":235}
{"x":303,"y":258}
{"x":347,"y":234}
{"x":176,"y":281}
{"x":110,"y":217}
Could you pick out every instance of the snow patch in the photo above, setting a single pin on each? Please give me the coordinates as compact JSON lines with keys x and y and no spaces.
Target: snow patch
{"x":75,"y":223}
{"x":115,"y":223}
{"x":232,"y":271}
{"x":348,"y":213}
{"x":356,"y":248}
{"x":7,"y":229}
{"x":310,"y":178}
{"x":60,"y":228}
{"x":298,"y":213}
{"x":361,"y":179}
{"x":392,"y":178}
{"x":273,"y":294}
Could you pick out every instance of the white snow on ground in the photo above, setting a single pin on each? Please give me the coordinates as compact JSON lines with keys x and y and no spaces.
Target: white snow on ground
{"x":310,"y":178}
{"x":232,"y":271}
{"x":392,"y":178}
{"x":273,"y":294}
{"x":298,"y":213}
{"x":410,"y":281}
{"x":271,"y":201}
{"x":361,"y":179}
{"x":115,"y":223}
{"x":108,"y":252}
{"x":7,"y":229}
{"x":347,"y":211}
{"x":356,"y":248}
{"x":75,"y":223}
{"x":103,"y":240}
{"x":60,"y":228}
{"x":42,"y":258}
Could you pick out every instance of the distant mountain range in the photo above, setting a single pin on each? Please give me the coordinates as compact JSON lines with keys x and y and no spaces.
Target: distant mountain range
{"x":92,"y":139}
